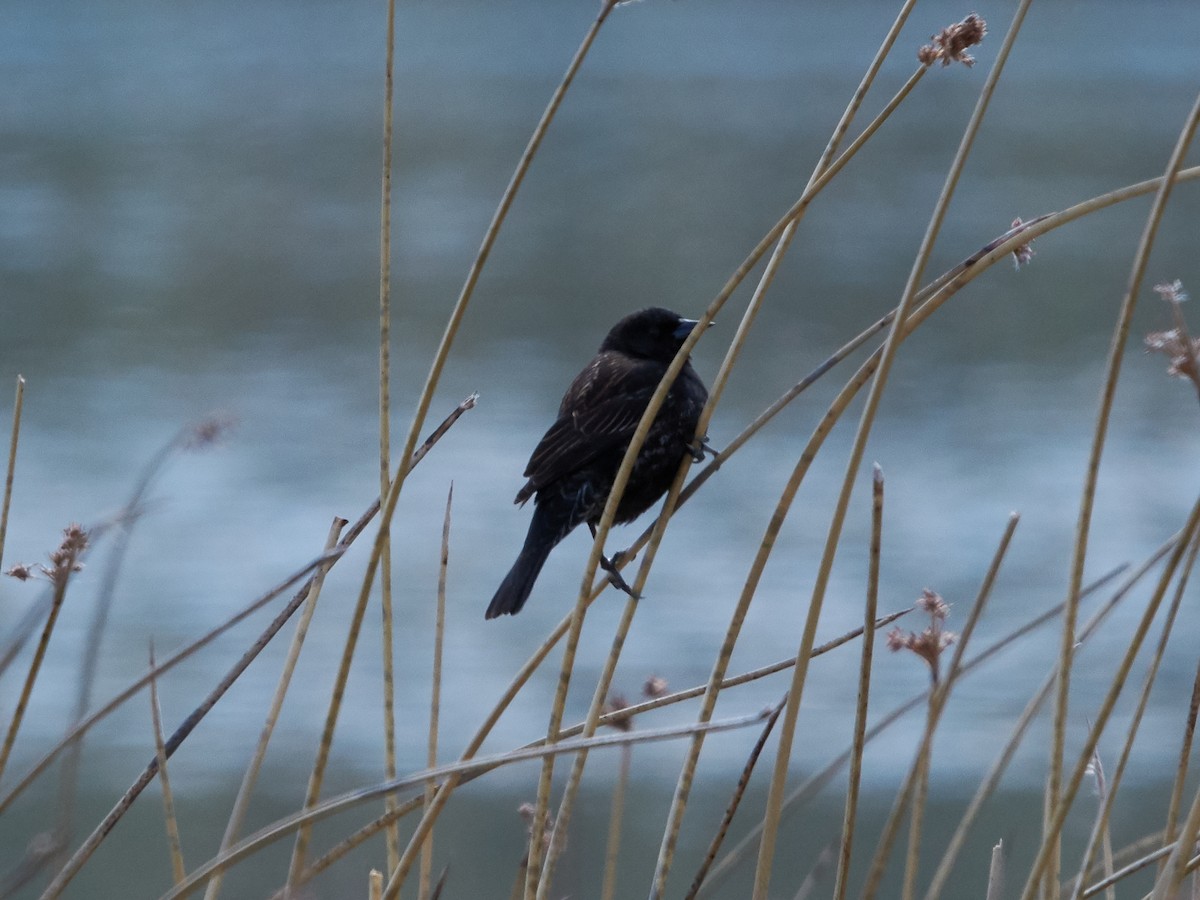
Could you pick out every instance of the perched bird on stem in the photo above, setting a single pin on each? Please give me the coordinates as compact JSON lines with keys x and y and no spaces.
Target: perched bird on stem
{"x":573,"y":468}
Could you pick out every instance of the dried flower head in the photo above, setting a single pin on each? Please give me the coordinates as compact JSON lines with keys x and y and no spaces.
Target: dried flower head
{"x":1172,"y":292}
{"x":207,"y":432}
{"x":63,"y":561}
{"x":21,"y":572}
{"x":528,"y":811}
{"x":1022,"y":253}
{"x":951,"y":44}
{"x":616,"y":703}
{"x":932,"y":603}
{"x":655,"y":687}
{"x":929,"y":643}
{"x":1177,"y":344}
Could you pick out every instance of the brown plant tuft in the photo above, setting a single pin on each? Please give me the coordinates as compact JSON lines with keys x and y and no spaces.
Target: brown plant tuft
{"x":929,"y":643}
{"x":1022,"y":253}
{"x":951,"y":43}
{"x":1177,"y":344}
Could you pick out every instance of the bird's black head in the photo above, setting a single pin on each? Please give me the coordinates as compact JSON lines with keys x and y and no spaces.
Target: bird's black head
{"x":653,"y":333}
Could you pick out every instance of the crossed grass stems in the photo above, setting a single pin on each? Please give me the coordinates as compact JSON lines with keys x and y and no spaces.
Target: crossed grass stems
{"x":1169,"y":848}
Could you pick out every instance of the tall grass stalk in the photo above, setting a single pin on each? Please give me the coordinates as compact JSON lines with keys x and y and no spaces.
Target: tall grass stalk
{"x":989,"y":784}
{"x":387,"y":631}
{"x":775,"y":794}
{"x":400,"y":871}
{"x":250,"y":779}
{"x":858,"y":742}
{"x":1083,"y":525}
{"x":10,"y":471}
{"x":178,"y":869}
{"x":1047,"y":848}
{"x":323,"y":810}
{"x":1100,"y":831}
{"x":435,"y":691}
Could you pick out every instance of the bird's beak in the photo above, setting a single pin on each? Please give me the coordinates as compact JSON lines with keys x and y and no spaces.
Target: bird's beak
{"x":685,"y":326}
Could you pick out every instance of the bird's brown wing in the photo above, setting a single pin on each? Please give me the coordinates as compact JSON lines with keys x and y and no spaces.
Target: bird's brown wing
{"x":600,"y":410}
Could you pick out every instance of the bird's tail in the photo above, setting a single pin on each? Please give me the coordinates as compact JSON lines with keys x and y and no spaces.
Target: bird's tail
{"x":514,"y":589}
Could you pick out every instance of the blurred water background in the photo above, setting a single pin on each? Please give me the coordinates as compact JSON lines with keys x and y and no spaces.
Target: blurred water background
{"x":189,"y":208}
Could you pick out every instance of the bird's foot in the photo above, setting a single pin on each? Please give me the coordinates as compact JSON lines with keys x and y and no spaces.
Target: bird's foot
{"x":614,"y":574}
{"x":700,"y":448}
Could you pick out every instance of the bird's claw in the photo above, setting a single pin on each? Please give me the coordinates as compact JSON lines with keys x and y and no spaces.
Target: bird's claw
{"x":700,"y":447}
{"x":614,"y":574}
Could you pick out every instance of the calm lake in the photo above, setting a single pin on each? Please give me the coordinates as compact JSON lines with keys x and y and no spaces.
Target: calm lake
{"x":189,"y":224}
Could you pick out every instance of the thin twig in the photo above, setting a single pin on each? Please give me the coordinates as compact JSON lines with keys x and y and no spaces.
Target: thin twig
{"x":435,"y":699}
{"x":988,"y":786}
{"x":1049,"y":869}
{"x":1108,"y":787}
{"x":731,"y":808}
{"x":13,"y":439}
{"x":938,"y":695}
{"x":327,"y":808}
{"x":60,"y":575}
{"x":178,"y":869}
{"x":250,"y":778}
{"x":775,"y":794}
{"x":841,"y":885}
{"x":385,"y":427}
{"x":76,"y":862}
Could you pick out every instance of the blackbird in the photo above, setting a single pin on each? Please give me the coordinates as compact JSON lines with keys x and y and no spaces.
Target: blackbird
{"x":573,"y":468}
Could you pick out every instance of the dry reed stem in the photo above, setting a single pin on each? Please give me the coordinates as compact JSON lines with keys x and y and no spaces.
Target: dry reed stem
{"x":988,"y":786}
{"x":1045,"y":851}
{"x":82,"y":727}
{"x":388,"y":676}
{"x":938,"y":695}
{"x":189,"y":437}
{"x":817,"y":872}
{"x":372,"y":828}
{"x":242,"y":802}
{"x":435,"y":693}
{"x":14,"y":437}
{"x":1087,"y":498}
{"x":355,"y":839}
{"x":178,"y":869}
{"x":731,"y":808}
{"x":101,"y":831}
{"x":385,"y":425}
{"x":60,"y":578}
{"x":936,"y":293}
{"x":1132,"y":868}
{"x":387,"y":508}
{"x":1177,"y":866}
{"x":795,"y":692}
{"x":995,"y":886}
{"x":617,"y":490}
{"x":399,"y":871}
{"x":571,"y":645}
{"x":375,"y":884}
{"x":323,"y":810}
{"x":612,"y":849}
{"x":823,"y":172}
{"x":687,"y":773}
{"x":858,"y":743}
{"x":1185,"y":753}
{"x":1108,"y":792}
{"x":656,"y":529}
{"x":1083,"y":525}
{"x":920,"y":793}
{"x":820,"y":779}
